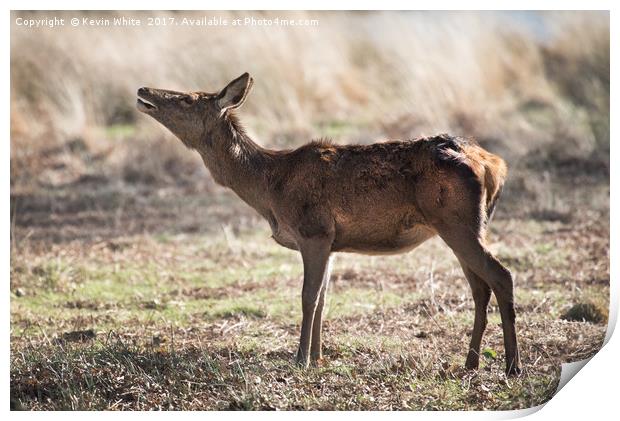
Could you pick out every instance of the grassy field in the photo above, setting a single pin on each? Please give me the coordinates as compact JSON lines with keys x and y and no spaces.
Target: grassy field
{"x":206,"y":316}
{"x":137,"y":283}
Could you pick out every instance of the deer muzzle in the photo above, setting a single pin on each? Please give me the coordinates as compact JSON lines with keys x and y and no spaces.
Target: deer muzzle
{"x":145,"y":102}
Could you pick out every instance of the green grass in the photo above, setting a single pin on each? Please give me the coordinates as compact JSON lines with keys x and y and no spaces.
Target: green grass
{"x":211,"y":322}
{"x":120,"y":131}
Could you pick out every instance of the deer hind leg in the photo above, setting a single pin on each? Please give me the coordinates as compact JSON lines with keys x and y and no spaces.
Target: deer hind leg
{"x":482,"y":294}
{"x":316,"y":352}
{"x":469,"y":248}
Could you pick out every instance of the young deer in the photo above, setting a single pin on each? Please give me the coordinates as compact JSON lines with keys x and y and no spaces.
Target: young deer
{"x":374,"y":199}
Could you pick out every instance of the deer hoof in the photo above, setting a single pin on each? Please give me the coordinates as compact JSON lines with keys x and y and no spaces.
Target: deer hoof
{"x":472,"y":362}
{"x":302,"y":360}
{"x":317,"y":361}
{"x":513,"y":371}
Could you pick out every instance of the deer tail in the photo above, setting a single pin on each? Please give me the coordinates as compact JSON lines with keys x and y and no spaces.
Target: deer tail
{"x":495,"y":172}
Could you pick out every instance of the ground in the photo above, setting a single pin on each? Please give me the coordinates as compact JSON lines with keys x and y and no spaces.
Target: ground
{"x":131,"y":298}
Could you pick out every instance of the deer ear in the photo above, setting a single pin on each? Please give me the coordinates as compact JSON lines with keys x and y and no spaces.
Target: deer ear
{"x":234,"y":94}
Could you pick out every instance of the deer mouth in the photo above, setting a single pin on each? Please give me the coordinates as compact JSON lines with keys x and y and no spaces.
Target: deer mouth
{"x":145,"y":106}
{"x":145,"y":102}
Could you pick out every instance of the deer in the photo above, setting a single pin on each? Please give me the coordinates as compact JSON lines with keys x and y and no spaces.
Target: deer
{"x":383,"y":198}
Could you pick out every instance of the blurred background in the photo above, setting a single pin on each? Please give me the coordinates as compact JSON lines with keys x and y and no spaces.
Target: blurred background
{"x":530,"y":86}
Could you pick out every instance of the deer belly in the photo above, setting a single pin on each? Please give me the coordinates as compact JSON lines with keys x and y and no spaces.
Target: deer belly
{"x":401,"y":242}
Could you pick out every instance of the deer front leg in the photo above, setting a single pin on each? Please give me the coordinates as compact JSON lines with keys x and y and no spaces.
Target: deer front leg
{"x":315,"y":255}
{"x":316,"y":352}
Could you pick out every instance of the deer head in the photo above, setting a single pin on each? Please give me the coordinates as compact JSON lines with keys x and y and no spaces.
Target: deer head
{"x":194,"y":117}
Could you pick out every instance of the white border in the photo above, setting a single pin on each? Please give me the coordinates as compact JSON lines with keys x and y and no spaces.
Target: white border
{"x":592,"y":394}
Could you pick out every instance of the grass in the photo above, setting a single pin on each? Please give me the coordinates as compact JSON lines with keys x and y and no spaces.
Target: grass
{"x":487,"y":74}
{"x":116,"y":373}
{"x":209,"y":320}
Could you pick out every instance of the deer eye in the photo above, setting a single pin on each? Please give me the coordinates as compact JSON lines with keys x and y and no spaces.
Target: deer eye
{"x":188,"y":100}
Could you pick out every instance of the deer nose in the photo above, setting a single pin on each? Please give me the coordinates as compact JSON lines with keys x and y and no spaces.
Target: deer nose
{"x":143,"y":91}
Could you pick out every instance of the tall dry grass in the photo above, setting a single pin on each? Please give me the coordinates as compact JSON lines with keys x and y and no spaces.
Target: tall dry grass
{"x":532,"y":87}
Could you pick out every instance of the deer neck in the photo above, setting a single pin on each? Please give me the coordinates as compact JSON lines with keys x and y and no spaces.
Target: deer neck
{"x":238,"y":163}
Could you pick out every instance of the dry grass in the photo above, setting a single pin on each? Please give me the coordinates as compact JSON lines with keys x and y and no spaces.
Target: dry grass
{"x":205,"y":316}
{"x":534,"y":88}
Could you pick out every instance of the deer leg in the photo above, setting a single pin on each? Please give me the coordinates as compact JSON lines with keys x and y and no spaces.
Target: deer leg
{"x":482,"y":294}
{"x":315,"y":255}
{"x":316,"y":352}
{"x":469,"y":248}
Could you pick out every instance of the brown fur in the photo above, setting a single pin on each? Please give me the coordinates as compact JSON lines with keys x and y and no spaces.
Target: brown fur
{"x":375,"y":199}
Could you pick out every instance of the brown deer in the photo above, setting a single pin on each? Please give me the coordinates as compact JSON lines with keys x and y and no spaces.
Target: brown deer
{"x":373,"y":199}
